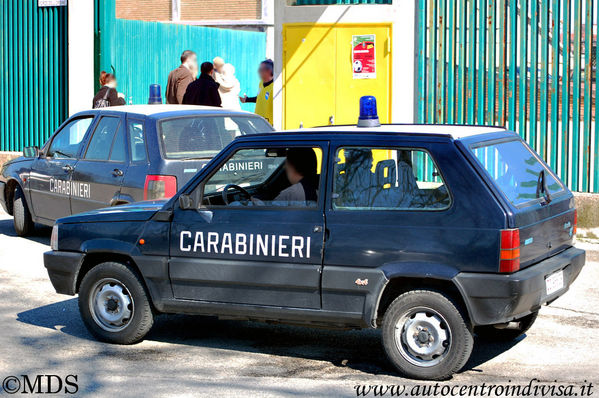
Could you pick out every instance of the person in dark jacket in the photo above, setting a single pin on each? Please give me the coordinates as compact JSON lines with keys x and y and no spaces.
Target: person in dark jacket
{"x":107,"y":95}
{"x":203,"y":91}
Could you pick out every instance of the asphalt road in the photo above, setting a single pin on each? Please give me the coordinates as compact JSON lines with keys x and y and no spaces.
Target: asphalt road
{"x":42,"y":333}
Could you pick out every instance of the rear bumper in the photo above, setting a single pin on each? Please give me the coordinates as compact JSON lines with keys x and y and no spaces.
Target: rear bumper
{"x":2,"y":197}
{"x":63,"y":268}
{"x":497,"y":298}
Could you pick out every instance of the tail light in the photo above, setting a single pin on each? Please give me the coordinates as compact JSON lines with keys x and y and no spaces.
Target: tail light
{"x":160,"y":187}
{"x":575,"y":223}
{"x":54,"y":238}
{"x":509,"y":252}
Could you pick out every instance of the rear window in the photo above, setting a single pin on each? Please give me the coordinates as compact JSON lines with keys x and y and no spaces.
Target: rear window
{"x":515,"y":169}
{"x":197,"y":137}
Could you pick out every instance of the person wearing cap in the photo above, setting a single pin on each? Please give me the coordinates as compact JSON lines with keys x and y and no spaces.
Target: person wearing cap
{"x":204,"y":90}
{"x":264,"y":98}
{"x":218,"y":63}
{"x":180,"y":78}
{"x":229,"y":88}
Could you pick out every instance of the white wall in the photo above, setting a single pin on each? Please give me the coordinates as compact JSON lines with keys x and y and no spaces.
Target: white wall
{"x":81,"y":55}
{"x":401,"y":14}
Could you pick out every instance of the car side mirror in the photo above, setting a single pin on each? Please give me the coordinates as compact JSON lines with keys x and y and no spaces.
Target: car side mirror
{"x":186,"y":202}
{"x":31,"y":151}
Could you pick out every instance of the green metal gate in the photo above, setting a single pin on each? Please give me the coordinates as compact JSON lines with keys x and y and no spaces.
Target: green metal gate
{"x":142,"y":53}
{"x":525,"y":64}
{"x":34,"y":82}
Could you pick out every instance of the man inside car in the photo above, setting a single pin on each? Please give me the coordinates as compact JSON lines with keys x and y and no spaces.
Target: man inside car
{"x":301,"y":171}
{"x":300,"y":167}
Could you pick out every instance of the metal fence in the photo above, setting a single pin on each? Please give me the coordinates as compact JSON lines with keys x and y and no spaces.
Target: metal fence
{"x":525,"y":64}
{"x":142,"y":53}
{"x":33,"y":64}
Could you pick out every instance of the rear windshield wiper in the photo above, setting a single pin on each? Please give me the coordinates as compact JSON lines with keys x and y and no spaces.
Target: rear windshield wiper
{"x":542,"y":187}
{"x":62,"y":154}
{"x":197,"y":158}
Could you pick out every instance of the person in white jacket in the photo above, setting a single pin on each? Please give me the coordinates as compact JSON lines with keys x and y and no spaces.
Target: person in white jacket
{"x":229,"y":88}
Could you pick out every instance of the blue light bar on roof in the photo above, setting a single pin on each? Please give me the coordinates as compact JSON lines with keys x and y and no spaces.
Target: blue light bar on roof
{"x":368,"y":113}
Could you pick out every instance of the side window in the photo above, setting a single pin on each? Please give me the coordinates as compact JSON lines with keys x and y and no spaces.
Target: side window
{"x":387,"y":179}
{"x":119,"y":146}
{"x":101,"y":142}
{"x":267,"y":177}
{"x":137,"y":141}
{"x":66,"y":143}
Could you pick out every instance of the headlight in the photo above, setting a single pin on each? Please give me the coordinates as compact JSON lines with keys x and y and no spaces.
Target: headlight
{"x":54,"y":238}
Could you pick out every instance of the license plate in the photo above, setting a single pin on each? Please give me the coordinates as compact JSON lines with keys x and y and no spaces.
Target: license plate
{"x":554,"y":282}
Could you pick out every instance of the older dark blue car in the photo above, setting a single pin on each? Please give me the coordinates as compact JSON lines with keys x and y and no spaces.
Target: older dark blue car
{"x":432,"y":233}
{"x":117,"y":155}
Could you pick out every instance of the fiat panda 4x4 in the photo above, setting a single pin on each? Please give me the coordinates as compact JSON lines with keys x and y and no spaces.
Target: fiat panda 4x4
{"x":433,"y":234}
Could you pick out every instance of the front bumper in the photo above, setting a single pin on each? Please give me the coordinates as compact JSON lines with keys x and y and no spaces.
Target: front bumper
{"x":499,"y":298}
{"x":2,"y":197}
{"x":63,"y":268}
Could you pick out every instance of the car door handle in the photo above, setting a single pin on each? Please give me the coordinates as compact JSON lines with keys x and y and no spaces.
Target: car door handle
{"x":67,"y":168}
{"x":117,"y":172}
{"x":317,"y":229}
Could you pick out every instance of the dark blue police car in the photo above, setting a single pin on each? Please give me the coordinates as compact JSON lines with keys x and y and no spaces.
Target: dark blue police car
{"x":118,"y":155}
{"x":432,"y":233}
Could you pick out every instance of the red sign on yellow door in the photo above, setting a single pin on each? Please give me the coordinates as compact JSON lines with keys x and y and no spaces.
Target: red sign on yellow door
{"x":364,"y":56}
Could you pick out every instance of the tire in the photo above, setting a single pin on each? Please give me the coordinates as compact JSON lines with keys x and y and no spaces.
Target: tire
{"x":114,"y":304}
{"x":492,"y":333}
{"x":21,"y":215}
{"x":440,"y":341}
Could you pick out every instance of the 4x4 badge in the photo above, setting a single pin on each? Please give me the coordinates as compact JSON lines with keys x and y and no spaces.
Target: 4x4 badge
{"x":361,"y":282}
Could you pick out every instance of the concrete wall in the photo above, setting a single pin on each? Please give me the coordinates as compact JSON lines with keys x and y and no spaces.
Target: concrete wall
{"x":6,"y":156}
{"x":189,"y":10}
{"x":81,"y":55}
{"x":144,"y":10}
{"x":401,"y":14}
{"x":588,"y":209}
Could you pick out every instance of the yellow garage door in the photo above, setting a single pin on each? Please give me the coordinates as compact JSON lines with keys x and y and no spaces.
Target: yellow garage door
{"x":309,"y":75}
{"x":321,"y":81}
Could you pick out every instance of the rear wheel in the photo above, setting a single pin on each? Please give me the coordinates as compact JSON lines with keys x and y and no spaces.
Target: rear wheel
{"x":425,"y":335}
{"x":21,"y":214}
{"x":114,"y":304}
{"x":493,"y":333}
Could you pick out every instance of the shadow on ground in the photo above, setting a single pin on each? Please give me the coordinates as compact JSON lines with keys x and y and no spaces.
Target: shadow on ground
{"x":41,"y":234}
{"x":360,"y":350}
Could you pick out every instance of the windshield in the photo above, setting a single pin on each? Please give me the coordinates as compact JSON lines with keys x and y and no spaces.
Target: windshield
{"x":516,"y":170}
{"x":196,"y":136}
{"x":247,"y":168}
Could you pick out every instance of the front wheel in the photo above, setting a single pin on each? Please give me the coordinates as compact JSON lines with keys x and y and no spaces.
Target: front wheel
{"x":114,"y":305}
{"x":425,"y":335}
{"x":21,"y":214}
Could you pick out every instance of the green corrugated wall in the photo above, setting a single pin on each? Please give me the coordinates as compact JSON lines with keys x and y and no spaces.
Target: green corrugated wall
{"x":525,"y":64}
{"x":143,"y":53}
{"x":34,"y":83}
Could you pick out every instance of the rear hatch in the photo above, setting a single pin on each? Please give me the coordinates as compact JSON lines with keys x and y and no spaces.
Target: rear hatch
{"x":189,"y":142}
{"x":540,"y":206}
